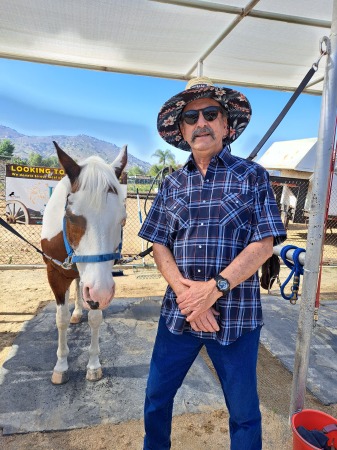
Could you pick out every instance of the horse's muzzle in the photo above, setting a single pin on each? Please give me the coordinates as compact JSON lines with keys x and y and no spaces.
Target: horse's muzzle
{"x":96,"y":298}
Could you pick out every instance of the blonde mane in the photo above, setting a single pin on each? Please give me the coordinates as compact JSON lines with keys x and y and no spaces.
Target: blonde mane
{"x":96,"y":179}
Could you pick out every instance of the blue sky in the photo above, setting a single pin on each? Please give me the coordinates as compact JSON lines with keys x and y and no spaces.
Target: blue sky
{"x":40,"y":100}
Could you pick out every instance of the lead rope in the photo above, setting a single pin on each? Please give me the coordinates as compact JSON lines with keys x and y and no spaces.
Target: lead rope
{"x":13,"y":230}
{"x":296,"y":271}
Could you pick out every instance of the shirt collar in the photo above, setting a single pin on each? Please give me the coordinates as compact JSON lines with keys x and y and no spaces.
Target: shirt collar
{"x":224,"y":156}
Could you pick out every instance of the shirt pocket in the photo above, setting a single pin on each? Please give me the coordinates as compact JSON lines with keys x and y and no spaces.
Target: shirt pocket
{"x":236,"y":211}
{"x":177,"y":213}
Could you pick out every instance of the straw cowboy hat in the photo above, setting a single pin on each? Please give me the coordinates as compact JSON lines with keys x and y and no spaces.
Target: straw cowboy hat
{"x":235,"y":104}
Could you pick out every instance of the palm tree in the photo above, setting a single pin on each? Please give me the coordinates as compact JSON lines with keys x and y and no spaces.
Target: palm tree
{"x":165,"y":157}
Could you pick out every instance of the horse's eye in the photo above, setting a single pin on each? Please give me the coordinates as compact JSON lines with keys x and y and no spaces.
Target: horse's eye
{"x":112,"y":190}
{"x":71,"y":218}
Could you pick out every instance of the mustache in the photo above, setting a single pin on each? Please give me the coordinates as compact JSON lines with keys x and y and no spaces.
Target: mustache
{"x":201,"y":131}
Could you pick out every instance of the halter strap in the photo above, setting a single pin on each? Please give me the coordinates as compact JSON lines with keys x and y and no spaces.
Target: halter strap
{"x":72,"y":258}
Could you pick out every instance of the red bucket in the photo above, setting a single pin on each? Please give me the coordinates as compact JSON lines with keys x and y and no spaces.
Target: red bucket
{"x":311,"y":420}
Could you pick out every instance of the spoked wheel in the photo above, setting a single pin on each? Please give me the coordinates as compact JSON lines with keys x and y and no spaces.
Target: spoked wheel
{"x":16,"y":212}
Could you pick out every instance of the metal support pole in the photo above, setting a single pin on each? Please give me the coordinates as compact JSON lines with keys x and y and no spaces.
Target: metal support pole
{"x":289,"y":254}
{"x":315,"y":238}
{"x":200,"y":68}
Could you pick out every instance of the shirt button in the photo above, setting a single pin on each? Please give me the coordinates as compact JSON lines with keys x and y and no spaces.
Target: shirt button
{"x":199,"y":270}
{"x":207,"y":180}
{"x":202,"y":223}
{"x":200,"y":246}
{"x":204,"y":201}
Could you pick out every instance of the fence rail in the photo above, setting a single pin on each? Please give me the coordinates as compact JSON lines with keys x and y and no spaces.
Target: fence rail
{"x":291,"y":194}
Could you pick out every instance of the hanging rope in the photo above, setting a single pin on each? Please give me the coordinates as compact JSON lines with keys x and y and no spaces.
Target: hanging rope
{"x":296,"y":271}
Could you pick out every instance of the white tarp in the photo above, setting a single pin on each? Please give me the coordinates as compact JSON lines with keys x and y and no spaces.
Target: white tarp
{"x":267,"y":43}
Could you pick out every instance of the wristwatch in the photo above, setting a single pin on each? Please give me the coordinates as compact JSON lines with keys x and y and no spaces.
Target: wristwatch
{"x":222,"y":284}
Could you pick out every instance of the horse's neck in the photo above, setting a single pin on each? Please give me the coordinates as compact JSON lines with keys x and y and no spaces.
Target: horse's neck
{"x":54,"y":212}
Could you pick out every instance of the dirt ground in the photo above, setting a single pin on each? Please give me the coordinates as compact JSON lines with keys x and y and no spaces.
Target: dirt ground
{"x":25,"y":292}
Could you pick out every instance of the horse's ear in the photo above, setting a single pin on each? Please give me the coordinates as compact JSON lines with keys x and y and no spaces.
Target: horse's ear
{"x":71,"y":168}
{"x":121,"y":161}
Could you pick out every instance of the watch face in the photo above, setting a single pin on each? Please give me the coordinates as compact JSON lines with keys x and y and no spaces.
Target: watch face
{"x":223,"y":285}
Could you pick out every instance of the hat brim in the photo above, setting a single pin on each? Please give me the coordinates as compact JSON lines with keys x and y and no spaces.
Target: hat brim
{"x":236,"y":104}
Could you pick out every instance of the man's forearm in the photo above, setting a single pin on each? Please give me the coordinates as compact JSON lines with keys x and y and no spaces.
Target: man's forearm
{"x":168,"y":267}
{"x":248,"y":261}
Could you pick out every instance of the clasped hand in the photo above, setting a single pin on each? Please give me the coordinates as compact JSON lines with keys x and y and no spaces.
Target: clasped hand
{"x":196,"y":303}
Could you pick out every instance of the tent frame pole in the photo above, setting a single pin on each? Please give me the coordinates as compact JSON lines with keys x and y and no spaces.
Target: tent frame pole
{"x":316,"y":232}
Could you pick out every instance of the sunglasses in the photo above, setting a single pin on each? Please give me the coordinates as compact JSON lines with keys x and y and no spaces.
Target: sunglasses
{"x":192,"y":116}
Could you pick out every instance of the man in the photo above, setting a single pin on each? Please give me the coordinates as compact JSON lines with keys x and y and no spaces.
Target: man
{"x":213,"y":224}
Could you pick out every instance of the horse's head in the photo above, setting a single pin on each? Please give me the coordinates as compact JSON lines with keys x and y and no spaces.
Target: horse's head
{"x":93,"y":218}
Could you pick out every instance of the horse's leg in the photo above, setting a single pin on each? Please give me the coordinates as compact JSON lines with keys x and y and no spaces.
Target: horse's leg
{"x":77,"y":313}
{"x":60,"y":373}
{"x":94,"y":370}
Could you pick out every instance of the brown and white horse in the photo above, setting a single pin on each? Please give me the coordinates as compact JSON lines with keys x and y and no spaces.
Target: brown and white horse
{"x":81,"y":235}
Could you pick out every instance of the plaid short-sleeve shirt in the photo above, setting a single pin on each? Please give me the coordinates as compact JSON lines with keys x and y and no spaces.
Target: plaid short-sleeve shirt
{"x":206,"y":222}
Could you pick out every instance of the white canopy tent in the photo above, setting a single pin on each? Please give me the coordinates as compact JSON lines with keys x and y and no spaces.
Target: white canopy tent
{"x":265,"y":43}
{"x":261,"y":43}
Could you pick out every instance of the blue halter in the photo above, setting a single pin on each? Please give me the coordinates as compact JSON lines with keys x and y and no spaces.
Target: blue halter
{"x":73,"y":259}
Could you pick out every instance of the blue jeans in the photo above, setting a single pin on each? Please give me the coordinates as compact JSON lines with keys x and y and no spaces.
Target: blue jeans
{"x":235,"y":365}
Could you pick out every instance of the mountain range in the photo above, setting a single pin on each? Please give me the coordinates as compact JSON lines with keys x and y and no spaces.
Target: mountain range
{"x":78,"y":147}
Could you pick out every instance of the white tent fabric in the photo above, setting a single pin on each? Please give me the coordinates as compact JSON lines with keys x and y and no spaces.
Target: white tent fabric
{"x":266,"y":43}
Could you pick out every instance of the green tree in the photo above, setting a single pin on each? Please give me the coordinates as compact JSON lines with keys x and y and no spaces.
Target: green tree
{"x":6,"y":148}
{"x":165,"y":157}
{"x":35,"y":159}
{"x":19,"y":160}
{"x":154,"y":170}
{"x":51,"y":161}
{"x":135,"y":170}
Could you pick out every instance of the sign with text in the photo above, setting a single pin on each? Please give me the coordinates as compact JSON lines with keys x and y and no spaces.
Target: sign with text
{"x":29,"y":189}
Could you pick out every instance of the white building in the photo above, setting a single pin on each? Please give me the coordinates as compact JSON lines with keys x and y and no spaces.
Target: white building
{"x":295,"y":160}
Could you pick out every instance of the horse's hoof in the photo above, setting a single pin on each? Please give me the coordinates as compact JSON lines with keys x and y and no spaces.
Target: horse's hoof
{"x":60,"y":377}
{"x":94,"y":374}
{"x":75,"y":319}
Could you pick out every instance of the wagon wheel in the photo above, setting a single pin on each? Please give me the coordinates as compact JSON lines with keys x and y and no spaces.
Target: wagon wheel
{"x":16,"y":212}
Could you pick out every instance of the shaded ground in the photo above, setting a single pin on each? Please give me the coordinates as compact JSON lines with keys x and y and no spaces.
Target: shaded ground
{"x":23,"y":293}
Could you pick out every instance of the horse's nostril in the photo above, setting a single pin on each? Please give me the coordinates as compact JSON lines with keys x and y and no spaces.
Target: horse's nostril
{"x":86,"y":292}
{"x":92,"y":304}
